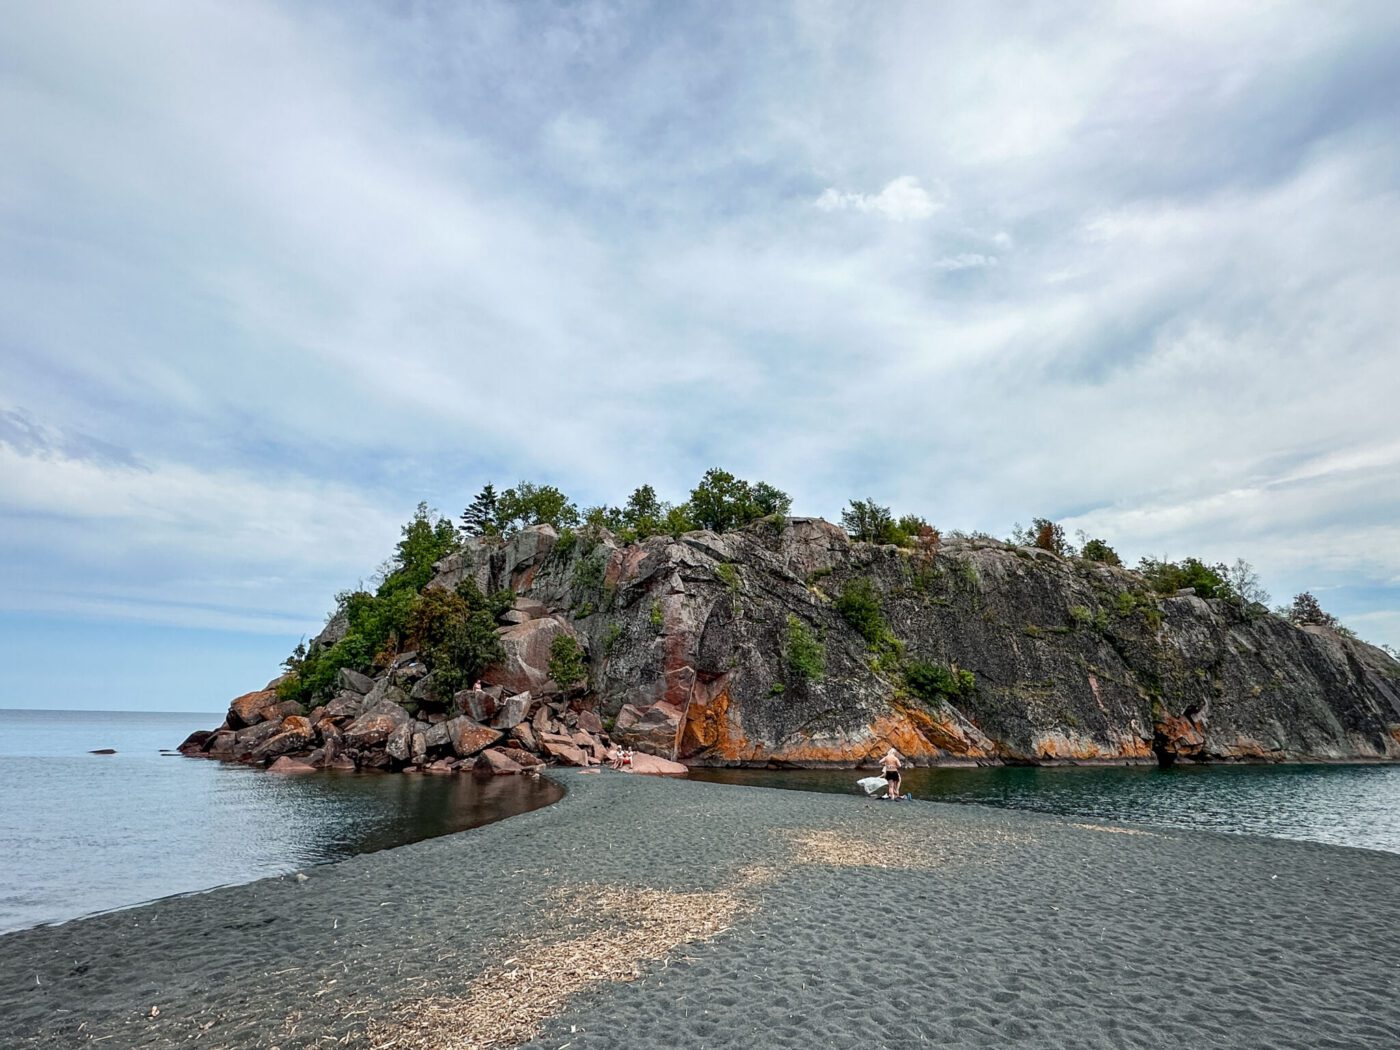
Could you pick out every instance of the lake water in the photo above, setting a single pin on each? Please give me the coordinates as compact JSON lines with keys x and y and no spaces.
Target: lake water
{"x":82,"y":833}
{"x":1341,"y":805}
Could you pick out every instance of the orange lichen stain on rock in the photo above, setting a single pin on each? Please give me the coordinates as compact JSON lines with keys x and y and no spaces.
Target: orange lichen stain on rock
{"x":1063,"y":746}
{"x":711,"y":734}
{"x":1180,"y":735}
{"x":248,"y":708}
{"x":706,"y":726}
{"x":942,"y":734}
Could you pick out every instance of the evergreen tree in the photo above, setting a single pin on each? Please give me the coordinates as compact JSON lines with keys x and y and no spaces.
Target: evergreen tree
{"x":479,"y":519}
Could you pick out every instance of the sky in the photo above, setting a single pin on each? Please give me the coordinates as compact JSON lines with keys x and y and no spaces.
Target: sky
{"x":271,"y":274}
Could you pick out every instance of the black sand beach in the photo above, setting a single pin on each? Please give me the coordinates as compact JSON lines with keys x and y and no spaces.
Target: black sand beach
{"x":642,"y":912}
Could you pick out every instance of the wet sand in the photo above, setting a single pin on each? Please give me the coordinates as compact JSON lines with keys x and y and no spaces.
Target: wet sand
{"x":642,"y":912}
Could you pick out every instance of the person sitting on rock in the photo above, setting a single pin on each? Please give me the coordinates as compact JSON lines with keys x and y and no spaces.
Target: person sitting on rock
{"x":627,"y":758}
{"x":615,"y":757}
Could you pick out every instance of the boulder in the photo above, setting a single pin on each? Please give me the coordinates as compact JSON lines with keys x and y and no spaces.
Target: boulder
{"x":418,"y":743}
{"x":293,"y":734}
{"x":246,"y":740}
{"x":247,"y":710}
{"x":664,"y":767}
{"x":372,"y":728}
{"x":526,"y":645}
{"x":589,"y":722}
{"x":222,"y":744}
{"x":349,"y":681}
{"x":425,"y":690}
{"x":279,"y":711}
{"x":542,"y":721}
{"x":525,"y":760}
{"x":512,"y":712}
{"x":384,"y":689}
{"x":400,"y":741}
{"x":287,"y":764}
{"x":476,"y":704}
{"x":525,"y":735}
{"x":328,"y":732}
{"x":467,"y":737}
{"x":196,"y":742}
{"x":435,"y":736}
{"x":344,"y":706}
{"x":442,"y":765}
{"x":341,"y":762}
{"x":530,"y":609}
{"x":496,"y":761}
{"x":655,"y":729}
{"x":563,"y":749}
{"x":523,"y":554}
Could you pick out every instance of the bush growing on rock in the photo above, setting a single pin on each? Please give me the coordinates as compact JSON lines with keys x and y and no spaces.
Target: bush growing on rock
{"x":934,"y":683}
{"x":868,"y":522}
{"x":721,"y":502}
{"x":1099,"y":551}
{"x":1043,"y":533}
{"x":531,"y":504}
{"x":803,"y":653}
{"x":1306,"y":610}
{"x":375,"y":624}
{"x":456,"y":633}
{"x":859,"y":606}
{"x":1168,"y":577}
{"x":567,"y":665}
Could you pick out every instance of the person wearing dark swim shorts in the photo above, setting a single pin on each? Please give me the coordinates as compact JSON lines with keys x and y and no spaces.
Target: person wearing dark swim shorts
{"x":890,"y":766}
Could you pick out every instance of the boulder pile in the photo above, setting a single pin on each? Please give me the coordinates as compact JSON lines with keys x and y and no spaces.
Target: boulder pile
{"x":397,"y":723}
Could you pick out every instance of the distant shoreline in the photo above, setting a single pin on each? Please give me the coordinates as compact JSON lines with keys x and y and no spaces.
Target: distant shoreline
{"x":759,"y":911}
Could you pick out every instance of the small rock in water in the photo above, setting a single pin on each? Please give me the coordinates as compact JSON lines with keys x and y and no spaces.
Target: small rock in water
{"x":155,"y":1012}
{"x":104,"y":751}
{"x":303,"y":878}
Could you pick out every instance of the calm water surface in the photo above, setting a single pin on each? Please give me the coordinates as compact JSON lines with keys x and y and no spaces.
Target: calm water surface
{"x":82,"y":833}
{"x":1342,"y":805}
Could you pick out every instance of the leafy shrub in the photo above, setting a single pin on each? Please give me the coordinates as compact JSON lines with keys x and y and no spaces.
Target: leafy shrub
{"x":1306,"y":610}
{"x":567,"y":665}
{"x":375,"y":624}
{"x":1043,"y":533}
{"x":934,"y":683}
{"x":729,"y":576}
{"x":531,"y":504}
{"x":658,"y":619}
{"x":610,"y":640}
{"x":1168,"y":577}
{"x":859,"y":606}
{"x":1099,"y":551}
{"x":804,"y":653}
{"x":1080,"y":615}
{"x":721,"y":501}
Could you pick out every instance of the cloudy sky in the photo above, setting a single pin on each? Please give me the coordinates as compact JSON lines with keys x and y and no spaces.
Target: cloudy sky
{"x":271,"y":274}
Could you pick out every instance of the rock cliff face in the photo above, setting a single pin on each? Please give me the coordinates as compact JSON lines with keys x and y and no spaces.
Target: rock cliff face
{"x":1069,"y":660}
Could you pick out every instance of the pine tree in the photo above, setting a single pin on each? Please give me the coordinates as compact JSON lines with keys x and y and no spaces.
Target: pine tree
{"x":480,"y":518}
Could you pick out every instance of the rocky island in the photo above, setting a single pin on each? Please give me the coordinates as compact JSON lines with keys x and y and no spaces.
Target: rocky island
{"x":767,"y":639}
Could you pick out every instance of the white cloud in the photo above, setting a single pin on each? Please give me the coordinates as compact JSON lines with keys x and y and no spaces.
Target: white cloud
{"x":310,"y":265}
{"x":966,"y":261}
{"x":901,"y":200}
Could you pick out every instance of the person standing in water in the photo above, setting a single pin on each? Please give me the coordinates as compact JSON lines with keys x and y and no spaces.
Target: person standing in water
{"x":890,"y":765}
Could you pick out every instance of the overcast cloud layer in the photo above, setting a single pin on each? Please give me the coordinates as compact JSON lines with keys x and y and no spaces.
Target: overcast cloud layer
{"x":271,"y":274}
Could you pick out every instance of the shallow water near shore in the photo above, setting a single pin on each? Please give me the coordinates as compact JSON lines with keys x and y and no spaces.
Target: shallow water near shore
{"x":83,"y":833}
{"x":1343,"y":805}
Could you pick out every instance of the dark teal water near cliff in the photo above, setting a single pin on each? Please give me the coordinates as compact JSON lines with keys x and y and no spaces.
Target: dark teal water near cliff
{"x":1342,"y":805}
{"x":82,"y":833}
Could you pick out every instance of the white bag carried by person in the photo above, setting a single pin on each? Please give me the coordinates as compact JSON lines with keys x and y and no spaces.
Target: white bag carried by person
{"x":872,"y":784}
